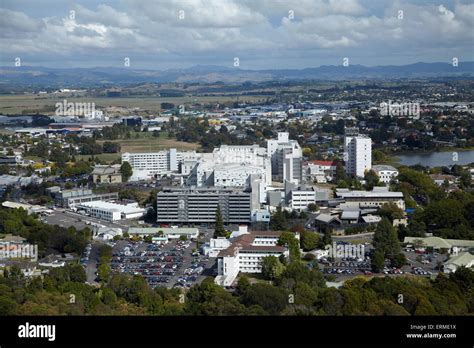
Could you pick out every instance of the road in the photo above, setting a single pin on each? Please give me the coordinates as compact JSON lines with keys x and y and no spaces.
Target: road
{"x":91,"y":267}
{"x":367,"y":235}
{"x":65,"y":218}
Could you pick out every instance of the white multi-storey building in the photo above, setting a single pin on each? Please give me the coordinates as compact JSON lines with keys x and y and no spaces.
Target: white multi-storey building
{"x":320,"y":171}
{"x":245,"y":255}
{"x":233,"y":166}
{"x":301,"y":198}
{"x":286,"y":156}
{"x":146,"y":165}
{"x":357,"y":154}
{"x":94,"y":115}
{"x":385,"y":173}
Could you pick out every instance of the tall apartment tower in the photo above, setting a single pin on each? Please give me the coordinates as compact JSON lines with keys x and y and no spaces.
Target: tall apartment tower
{"x":357,"y":152}
{"x":286,"y":156}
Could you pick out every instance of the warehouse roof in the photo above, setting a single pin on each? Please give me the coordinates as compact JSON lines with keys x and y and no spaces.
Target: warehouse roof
{"x":437,"y":242}
{"x":126,"y":209}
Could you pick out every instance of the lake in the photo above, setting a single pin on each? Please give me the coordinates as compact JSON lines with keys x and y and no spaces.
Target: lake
{"x":437,"y":159}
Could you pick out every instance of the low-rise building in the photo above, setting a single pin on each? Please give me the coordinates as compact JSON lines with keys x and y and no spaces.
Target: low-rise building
{"x":29,"y":208}
{"x":441,"y":179}
{"x":371,"y":199}
{"x":320,"y":171}
{"x":107,"y":174}
{"x":301,"y":198}
{"x":385,"y":173}
{"x":107,"y":233}
{"x":464,"y":259}
{"x":453,"y":246}
{"x":215,"y":246}
{"x":164,"y":234}
{"x":11,"y":160}
{"x":73,"y":197}
{"x":109,"y":211}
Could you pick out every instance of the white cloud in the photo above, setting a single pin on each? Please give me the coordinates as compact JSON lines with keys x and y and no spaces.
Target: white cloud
{"x":218,"y":30}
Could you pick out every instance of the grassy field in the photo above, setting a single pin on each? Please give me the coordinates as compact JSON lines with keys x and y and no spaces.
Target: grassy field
{"x":145,"y":143}
{"x":18,"y":104}
{"x":105,"y":157}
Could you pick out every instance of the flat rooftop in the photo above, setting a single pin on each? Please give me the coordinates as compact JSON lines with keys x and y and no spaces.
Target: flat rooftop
{"x":345,"y":193}
{"x":153,"y":230}
{"x":126,"y":209}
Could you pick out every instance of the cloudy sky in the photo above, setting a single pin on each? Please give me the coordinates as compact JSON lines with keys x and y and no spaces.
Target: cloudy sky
{"x":166,"y":34}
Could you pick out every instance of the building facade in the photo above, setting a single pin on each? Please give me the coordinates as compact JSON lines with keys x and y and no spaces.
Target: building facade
{"x":245,"y":255}
{"x":371,"y":199}
{"x":357,"y":153}
{"x":70,"y":198}
{"x":301,"y":198}
{"x":286,"y":156}
{"x":385,"y":173}
{"x":147,"y":165}
{"x":109,"y":174}
{"x":199,"y":205}
{"x":109,"y":211}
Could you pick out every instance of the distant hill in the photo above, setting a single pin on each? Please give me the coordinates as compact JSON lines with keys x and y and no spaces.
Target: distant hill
{"x":88,"y":77}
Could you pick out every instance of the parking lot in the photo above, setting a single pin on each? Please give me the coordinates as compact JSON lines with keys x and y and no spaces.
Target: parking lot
{"x":420,"y":264}
{"x":423,"y":263}
{"x":170,"y":265}
{"x":67,"y":218}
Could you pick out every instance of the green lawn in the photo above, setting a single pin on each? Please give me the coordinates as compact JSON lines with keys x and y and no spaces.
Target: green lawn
{"x":107,"y":157}
{"x":17,"y":104}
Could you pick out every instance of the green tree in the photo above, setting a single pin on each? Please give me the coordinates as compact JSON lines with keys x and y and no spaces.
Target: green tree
{"x":312,"y":207}
{"x":327,"y":237}
{"x":309,"y":240}
{"x":289,"y":240}
{"x":377,"y":260}
{"x":271,"y":298}
{"x":399,"y":260}
{"x":386,"y":239}
{"x":391,"y":211}
{"x":219,"y":230}
{"x":103,"y":272}
{"x":4,"y":169}
{"x":371,"y":179}
{"x":272,"y":268}
{"x":126,"y":170}
{"x":447,"y":213}
{"x":278,"y":220}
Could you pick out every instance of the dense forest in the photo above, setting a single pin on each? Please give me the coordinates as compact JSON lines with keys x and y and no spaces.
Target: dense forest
{"x":297,"y":291}
{"x":49,"y":238}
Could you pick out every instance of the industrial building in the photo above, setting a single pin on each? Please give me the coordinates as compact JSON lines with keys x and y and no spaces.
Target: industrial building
{"x":70,"y":198}
{"x":109,"y":211}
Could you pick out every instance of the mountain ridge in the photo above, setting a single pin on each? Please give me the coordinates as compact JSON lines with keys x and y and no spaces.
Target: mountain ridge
{"x":46,"y":76}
